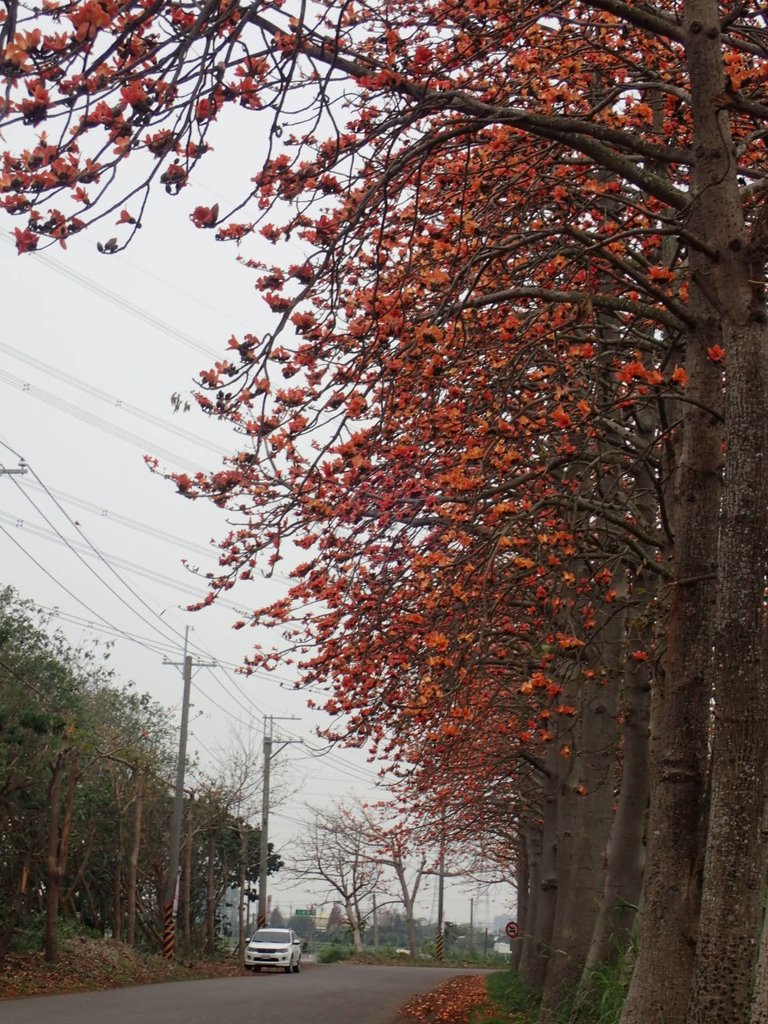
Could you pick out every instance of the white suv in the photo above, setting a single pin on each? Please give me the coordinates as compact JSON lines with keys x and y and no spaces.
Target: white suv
{"x":274,"y":947}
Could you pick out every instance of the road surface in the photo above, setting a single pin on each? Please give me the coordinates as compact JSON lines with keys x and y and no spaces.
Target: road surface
{"x":321,"y":994}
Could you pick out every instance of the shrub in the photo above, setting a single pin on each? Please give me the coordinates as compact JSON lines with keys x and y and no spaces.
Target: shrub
{"x":332,"y":954}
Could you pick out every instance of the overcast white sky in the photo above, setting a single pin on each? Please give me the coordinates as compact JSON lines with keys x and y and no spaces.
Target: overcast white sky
{"x":93,"y":348}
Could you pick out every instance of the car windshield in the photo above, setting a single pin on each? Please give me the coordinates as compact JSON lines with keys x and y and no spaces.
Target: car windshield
{"x":271,"y":935}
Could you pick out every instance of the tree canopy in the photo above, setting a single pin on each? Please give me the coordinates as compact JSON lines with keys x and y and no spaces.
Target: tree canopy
{"x":85,"y":802}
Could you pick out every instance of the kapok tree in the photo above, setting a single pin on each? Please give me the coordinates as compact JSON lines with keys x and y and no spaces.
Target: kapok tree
{"x":616,"y":185}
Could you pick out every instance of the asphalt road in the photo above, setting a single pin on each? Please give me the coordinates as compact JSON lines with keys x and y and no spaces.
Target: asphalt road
{"x":321,"y":994}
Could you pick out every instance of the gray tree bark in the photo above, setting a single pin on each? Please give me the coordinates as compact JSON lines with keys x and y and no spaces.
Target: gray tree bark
{"x":733,"y":869}
{"x":592,"y":785}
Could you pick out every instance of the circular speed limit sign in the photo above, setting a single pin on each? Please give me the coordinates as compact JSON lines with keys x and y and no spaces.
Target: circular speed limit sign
{"x":512,"y":930}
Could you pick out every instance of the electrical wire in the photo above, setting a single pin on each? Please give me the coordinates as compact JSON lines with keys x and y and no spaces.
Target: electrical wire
{"x":51,"y":400}
{"x":50,"y":575}
{"x":118,"y":300}
{"x":167,"y":648}
{"x":124,"y":563}
{"x":150,"y":531}
{"x":95,"y":421}
{"x":132,"y":524}
{"x":249,"y":706}
{"x":111,"y":400}
{"x":166,"y":628}
{"x":94,"y":551}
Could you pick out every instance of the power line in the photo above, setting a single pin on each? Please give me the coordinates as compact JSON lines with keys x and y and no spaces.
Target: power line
{"x":124,"y":563}
{"x":165,"y":626}
{"x":204,"y":693}
{"x":156,"y":648}
{"x":141,"y":641}
{"x":53,"y":578}
{"x":94,"y":551}
{"x":51,"y":400}
{"x":103,"y":396}
{"x":164,"y":632}
{"x":132,"y":524}
{"x":117,"y":300}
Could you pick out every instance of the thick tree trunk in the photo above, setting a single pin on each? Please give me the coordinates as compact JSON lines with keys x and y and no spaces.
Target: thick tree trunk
{"x":53,"y":881}
{"x":592,"y":783}
{"x":533,"y":966}
{"x":410,"y":927}
{"x":408,"y":897}
{"x":626,"y":852}
{"x":187,"y":907}
{"x":532,"y":836}
{"x":523,"y":882}
{"x":117,"y":879}
{"x":760,"y":994}
{"x":729,"y":926}
{"x":354,"y":924}
{"x":569,"y":808}
{"x":680,"y":700}
{"x":77,"y":881}
{"x":733,"y":870}
{"x":19,"y":899}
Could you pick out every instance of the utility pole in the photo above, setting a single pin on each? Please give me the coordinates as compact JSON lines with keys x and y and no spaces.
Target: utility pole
{"x":264,"y":838}
{"x":440,"y":894}
{"x":23,"y":468}
{"x":170,"y":901}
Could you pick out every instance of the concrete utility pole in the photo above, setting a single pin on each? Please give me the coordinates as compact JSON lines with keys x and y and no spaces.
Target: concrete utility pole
{"x":264,"y":838}
{"x":170,"y":901}
{"x":440,"y":895}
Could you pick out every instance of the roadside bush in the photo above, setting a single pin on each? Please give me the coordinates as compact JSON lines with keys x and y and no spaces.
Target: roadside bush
{"x":333,"y":954}
{"x":607,"y":992}
{"x":29,"y":931}
{"x":508,"y":994}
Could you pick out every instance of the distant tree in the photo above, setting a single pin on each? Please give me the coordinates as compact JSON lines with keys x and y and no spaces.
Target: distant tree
{"x":335,"y":922}
{"x":393,"y":843}
{"x":302,"y":925}
{"x":334,"y":854}
{"x":71,"y":742}
{"x":276,"y":918}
